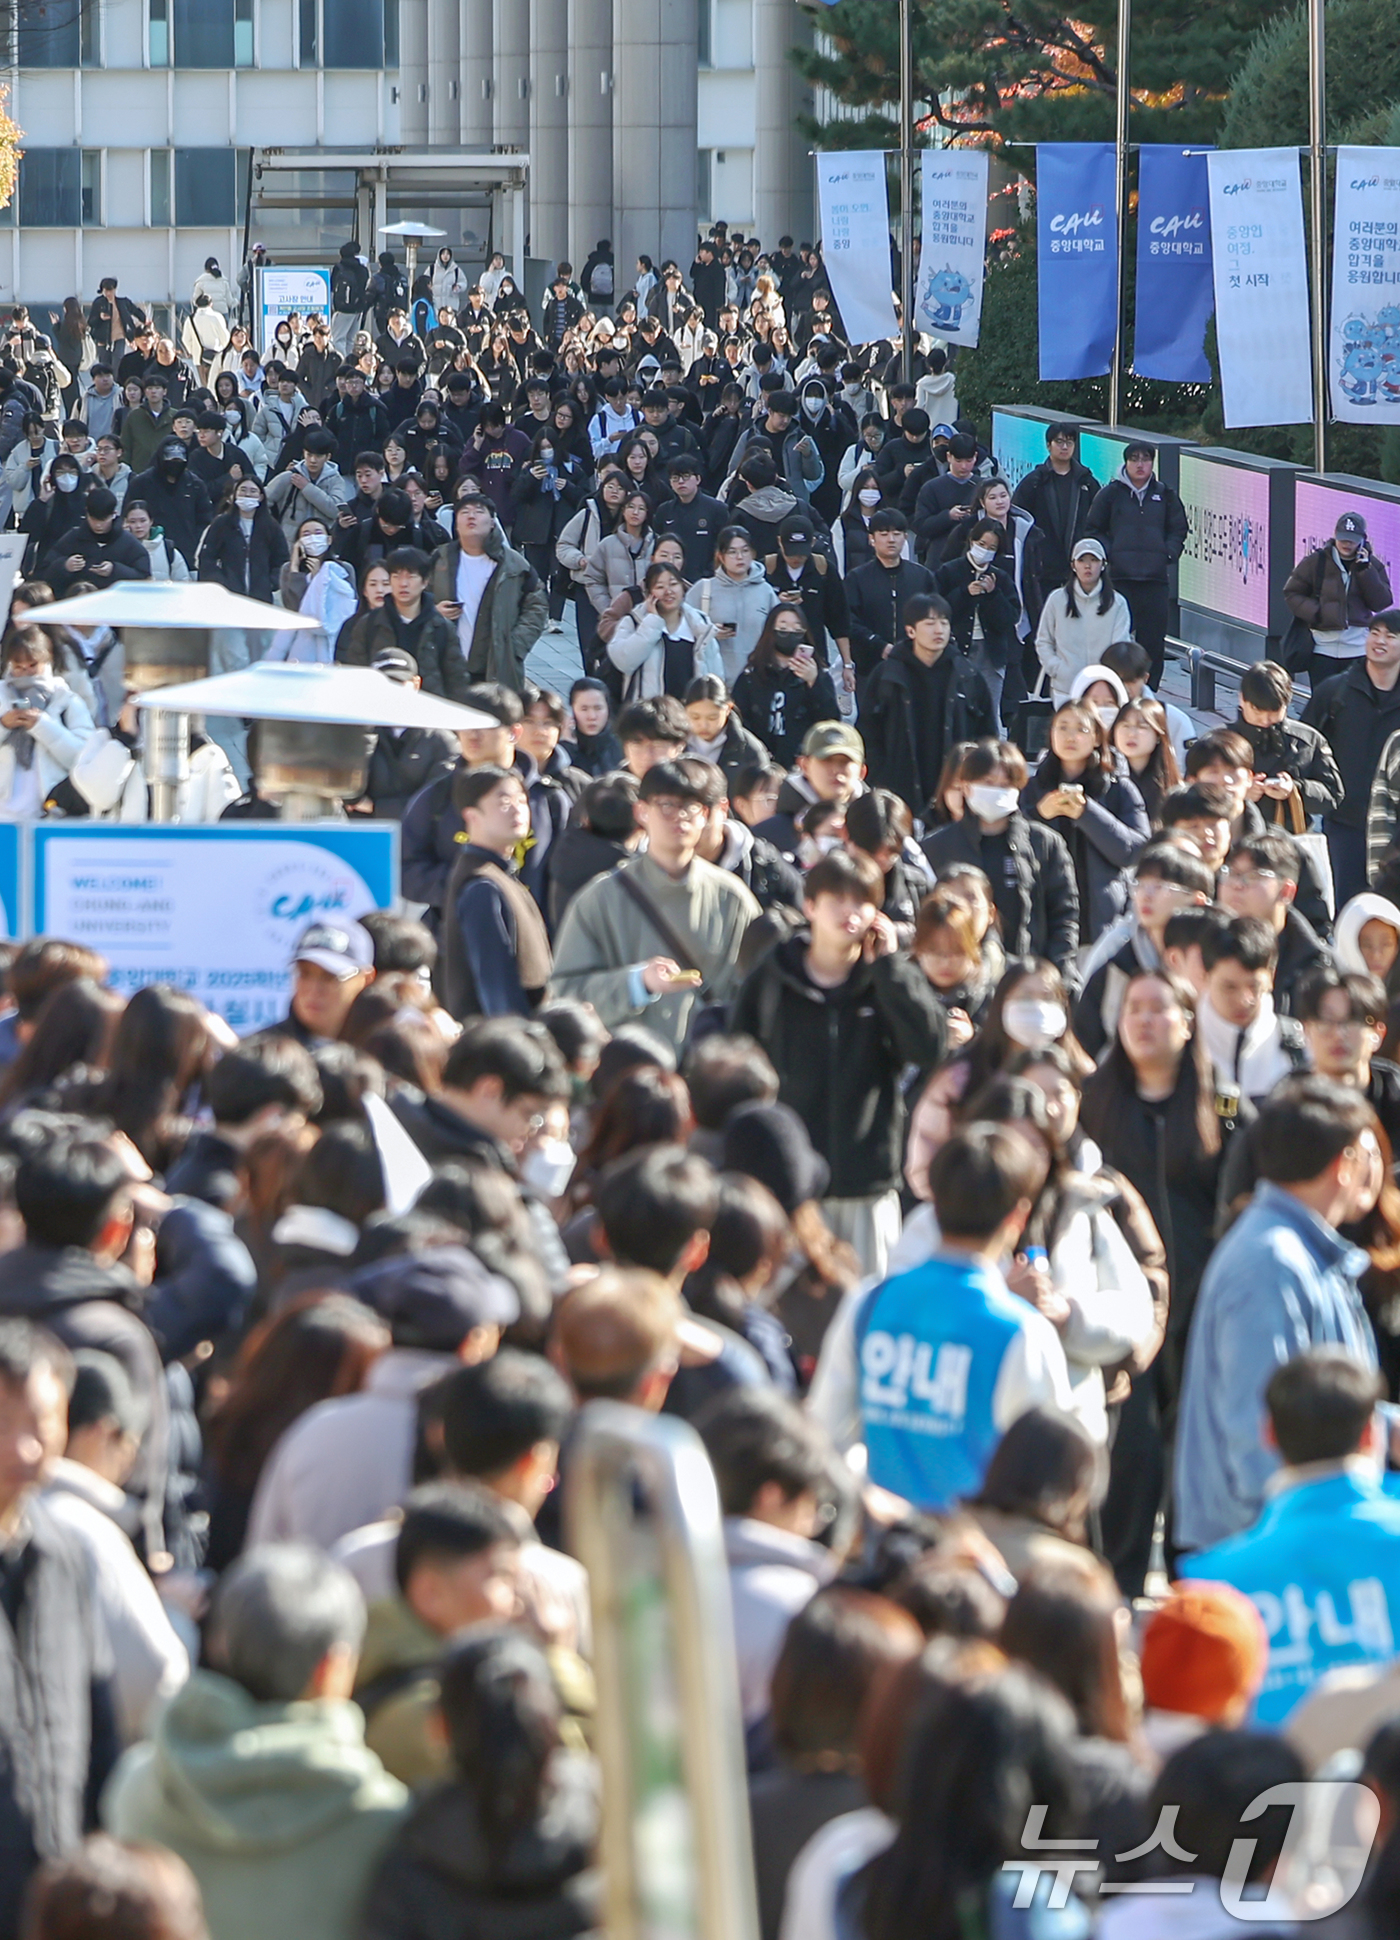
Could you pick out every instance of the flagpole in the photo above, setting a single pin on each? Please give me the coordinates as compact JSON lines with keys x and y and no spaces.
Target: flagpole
{"x":1317,"y":154}
{"x":1123,"y":103}
{"x":906,"y":185}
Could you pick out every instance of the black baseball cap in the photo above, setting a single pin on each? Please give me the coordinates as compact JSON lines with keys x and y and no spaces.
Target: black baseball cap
{"x":395,"y":664}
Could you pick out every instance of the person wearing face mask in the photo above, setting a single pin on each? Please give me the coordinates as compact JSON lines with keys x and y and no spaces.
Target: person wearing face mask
{"x":1029,"y":1011}
{"x":850,"y":535}
{"x":312,"y":582}
{"x":920,"y":702}
{"x":244,"y":549}
{"x":57,"y":504}
{"x":46,"y":725}
{"x":831,"y":434}
{"x":94,"y":548}
{"x":1027,"y":863}
{"x":984,"y":605}
{"x":1082,"y":790}
{"x":179,"y":503}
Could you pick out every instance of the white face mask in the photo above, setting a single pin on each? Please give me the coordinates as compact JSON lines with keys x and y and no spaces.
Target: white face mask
{"x":981,"y":555}
{"x":990,"y":803}
{"x":66,"y":482}
{"x":315,"y":543}
{"x":812,"y":406}
{"x":1034,"y":1022}
{"x":548,"y":1166}
{"x":546,"y":455}
{"x":871,"y":495}
{"x":1108,"y":715}
{"x":248,"y":504}
{"x":233,"y":417}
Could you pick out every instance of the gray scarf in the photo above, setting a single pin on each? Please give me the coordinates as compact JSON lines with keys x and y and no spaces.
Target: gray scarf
{"x":27,"y":693}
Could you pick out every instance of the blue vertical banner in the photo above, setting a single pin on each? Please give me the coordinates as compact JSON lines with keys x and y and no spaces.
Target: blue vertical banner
{"x":1077,"y":257}
{"x":1175,"y":290}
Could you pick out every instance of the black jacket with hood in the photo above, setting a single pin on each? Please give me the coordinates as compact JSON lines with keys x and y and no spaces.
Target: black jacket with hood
{"x":839,"y":1055}
{"x":1356,"y":719}
{"x":887,"y":719}
{"x":1142,"y":532}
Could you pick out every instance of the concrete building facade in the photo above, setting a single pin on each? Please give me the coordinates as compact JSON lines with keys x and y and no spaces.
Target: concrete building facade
{"x":143,"y":122}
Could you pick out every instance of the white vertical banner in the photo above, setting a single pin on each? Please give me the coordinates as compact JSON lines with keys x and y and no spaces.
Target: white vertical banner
{"x":855,"y":224}
{"x":1363,"y":352}
{"x":1261,"y":285}
{"x":953,"y":251}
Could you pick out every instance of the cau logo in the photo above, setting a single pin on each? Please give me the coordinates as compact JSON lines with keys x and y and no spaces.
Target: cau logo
{"x":1070,"y":223}
{"x":1177,"y":225}
{"x":310,"y":889}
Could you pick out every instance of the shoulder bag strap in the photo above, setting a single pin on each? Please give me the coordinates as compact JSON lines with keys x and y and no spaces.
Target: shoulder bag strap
{"x":673,"y":944}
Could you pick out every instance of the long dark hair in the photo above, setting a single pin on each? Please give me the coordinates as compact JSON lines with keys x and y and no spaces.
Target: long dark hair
{"x":1110,"y":1095}
{"x":991,"y":1050}
{"x":315,"y":1349}
{"x":160,"y":1049}
{"x":1101,"y":766}
{"x":503,"y":1719}
{"x":978,"y":1754}
{"x":1062,"y":1623}
{"x":771,"y":642}
{"x":74,"y":1027}
{"x":1107,"y":593}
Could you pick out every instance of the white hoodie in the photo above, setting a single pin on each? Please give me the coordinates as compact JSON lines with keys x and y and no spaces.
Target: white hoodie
{"x":1355,"y":915}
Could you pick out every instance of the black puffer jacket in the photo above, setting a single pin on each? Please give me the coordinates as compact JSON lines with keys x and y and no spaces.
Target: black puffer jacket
{"x":445,"y":1879}
{"x":777,"y":706}
{"x":433,"y":644}
{"x":402,"y":764}
{"x":1032,"y":880}
{"x":839,"y":1055}
{"x":249,"y":567}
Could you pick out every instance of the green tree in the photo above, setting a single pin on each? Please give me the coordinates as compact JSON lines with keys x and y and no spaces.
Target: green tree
{"x":1268,"y":104}
{"x":1027,"y":70}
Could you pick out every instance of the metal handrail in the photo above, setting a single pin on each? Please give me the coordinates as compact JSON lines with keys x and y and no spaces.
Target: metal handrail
{"x":643,"y":1517}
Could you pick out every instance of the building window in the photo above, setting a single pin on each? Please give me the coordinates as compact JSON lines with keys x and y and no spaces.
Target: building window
{"x":704,"y":179}
{"x":56,"y":33}
{"x":348,"y":33}
{"x":200,"y":33}
{"x":206,"y":189}
{"x":50,"y":188}
{"x":705,"y":16}
{"x":91,"y":188}
{"x":160,"y":188}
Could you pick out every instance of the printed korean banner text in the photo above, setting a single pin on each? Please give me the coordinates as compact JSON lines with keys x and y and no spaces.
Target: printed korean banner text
{"x":1363,"y":353}
{"x":1260,"y":269}
{"x":855,"y":225}
{"x":948,"y":302}
{"x":1077,"y":257}
{"x":1175,"y":291}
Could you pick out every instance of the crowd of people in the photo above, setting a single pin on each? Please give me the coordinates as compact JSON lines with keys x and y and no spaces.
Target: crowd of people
{"x":859,"y":1018}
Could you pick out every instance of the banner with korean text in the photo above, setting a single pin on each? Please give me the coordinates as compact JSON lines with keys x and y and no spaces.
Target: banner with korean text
{"x":855,"y":225}
{"x":948,"y":301}
{"x":1363,"y":352}
{"x":1076,"y":257}
{"x":1175,"y":292}
{"x":1259,"y":262}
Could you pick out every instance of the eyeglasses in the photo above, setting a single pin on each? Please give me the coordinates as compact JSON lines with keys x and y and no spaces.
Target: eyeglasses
{"x":671,"y":810}
{"x":1248,"y":875}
